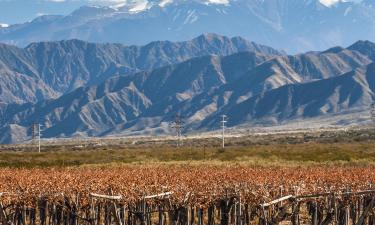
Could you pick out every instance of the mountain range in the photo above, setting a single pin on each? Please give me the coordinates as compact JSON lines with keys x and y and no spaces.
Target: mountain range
{"x":47,"y":70}
{"x":291,"y":25}
{"x":248,"y":82}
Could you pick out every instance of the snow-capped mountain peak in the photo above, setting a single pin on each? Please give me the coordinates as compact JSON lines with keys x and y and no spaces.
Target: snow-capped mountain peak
{"x":164,"y":3}
{"x":219,"y":2}
{"x":330,"y":3}
{"x":135,"y":6}
{"x":291,"y":25}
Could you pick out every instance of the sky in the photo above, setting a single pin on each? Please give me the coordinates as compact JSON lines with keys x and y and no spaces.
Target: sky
{"x":20,"y":11}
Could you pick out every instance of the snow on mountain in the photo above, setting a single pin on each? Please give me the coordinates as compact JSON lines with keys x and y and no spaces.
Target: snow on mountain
{"x":223,"y":2}
{"x":133,"y":6}
{"x":136,"y":6}
{"x":163,"y":3}
{"x":291,"y":25}
{"x":3,"y":25}
{"x":329,"y":3}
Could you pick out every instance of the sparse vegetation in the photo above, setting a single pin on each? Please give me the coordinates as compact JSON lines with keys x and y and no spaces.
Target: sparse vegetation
{"x":350,"y":153}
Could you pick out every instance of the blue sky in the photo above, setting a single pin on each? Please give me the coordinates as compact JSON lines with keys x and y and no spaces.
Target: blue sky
{"x":19,"y":11}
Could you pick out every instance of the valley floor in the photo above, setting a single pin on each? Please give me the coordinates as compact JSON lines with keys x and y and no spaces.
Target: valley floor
{"x":344,"y":147}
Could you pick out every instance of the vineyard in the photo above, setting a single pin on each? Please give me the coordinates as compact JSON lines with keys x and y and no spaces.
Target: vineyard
{"x":188,"y":195}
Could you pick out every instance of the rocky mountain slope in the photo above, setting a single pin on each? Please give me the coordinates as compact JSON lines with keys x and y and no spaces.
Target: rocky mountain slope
{"x":292,"y":25}
{"x":249,"y":87}
{"x":49,"y":69}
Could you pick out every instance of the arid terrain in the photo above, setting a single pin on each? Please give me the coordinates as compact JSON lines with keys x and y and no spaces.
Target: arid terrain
{"x":352,"y":147}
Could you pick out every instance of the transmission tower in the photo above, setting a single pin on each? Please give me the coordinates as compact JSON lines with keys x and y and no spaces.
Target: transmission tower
{"x":178,"y":125}
{"x":35,"y":129}
{"x":223,"y":122}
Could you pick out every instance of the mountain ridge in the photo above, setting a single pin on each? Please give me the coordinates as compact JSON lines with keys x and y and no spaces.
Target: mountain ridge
{"x":291,"y":25}
{"x":59,"y":67}
{"x":249,"y":87}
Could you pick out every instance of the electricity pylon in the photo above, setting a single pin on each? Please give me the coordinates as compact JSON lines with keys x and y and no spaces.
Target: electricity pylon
{"x":178,"y":125}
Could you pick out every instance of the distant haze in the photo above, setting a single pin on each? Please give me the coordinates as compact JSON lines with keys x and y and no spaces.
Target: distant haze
{"x":20,"y":11}
{"x":294,"y":26}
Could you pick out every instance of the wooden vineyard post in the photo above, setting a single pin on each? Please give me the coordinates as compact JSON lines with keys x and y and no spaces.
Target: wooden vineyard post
{"x":130,"y":216}
{"x":295,"y":213}
{"x":354,"y":208}
{"x":314,"y":206}
{"x":315,"y":213}
{"x":188,"y":214}
{"x":268,"y":213}
{"x":335,"y":209}
{"x":23,"y":215}
{"x":200,"y":216}
{"x":211,"y":215}
{"x":347,"y":215}
{"x":98,"y":213}
{"x":43,"y":211}
{"x":234,"y":214}
{"x":76,"y":209}
{"x":370,"y":206}
{"x":142,"y":212}
{"x":3,"y":215}
{"x":359,"y":208}
{"x":149,"y":215}
{"x":239,"y":211}
{"x":192,"y":215}
{"x":92,"y":211}
{"x":123,"y":210}
{"x":247,"y":218}
{"x":341,"y":214}
{"x":116,"y":214}
{"x":263,"y":216}
{"x":330,"y":211}
{"x":110,"y":209}
{"x":225,"y":208}
{"x":161,"y":215}
{"x":295,"y":208}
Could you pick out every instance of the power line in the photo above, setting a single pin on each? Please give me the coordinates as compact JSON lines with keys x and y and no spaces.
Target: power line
{"x":223,"y":122}
{"x":178,"y":125}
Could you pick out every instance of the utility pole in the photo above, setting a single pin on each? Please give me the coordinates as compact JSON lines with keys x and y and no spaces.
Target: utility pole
{"x":178,"y":125}
{"x":223,"y":122}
